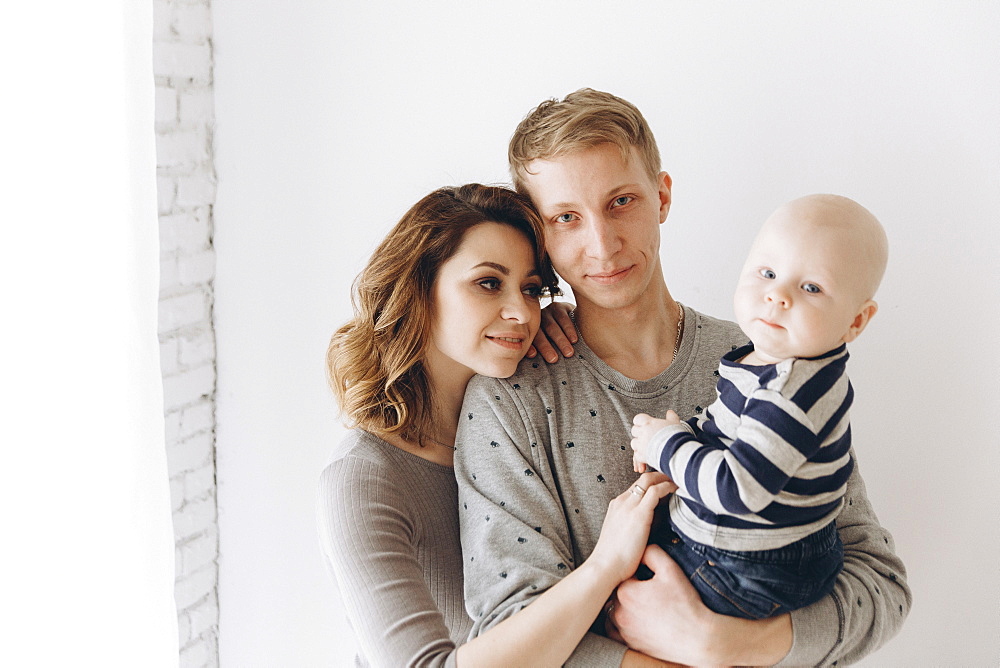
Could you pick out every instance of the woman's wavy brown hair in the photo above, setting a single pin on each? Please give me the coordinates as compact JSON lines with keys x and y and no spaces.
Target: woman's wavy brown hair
{"x":374,"y":362}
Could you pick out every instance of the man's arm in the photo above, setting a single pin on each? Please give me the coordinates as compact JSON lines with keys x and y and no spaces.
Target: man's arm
{"x":869,"y":603}
{"x":515,"y":538}
{"x":870,"y":600}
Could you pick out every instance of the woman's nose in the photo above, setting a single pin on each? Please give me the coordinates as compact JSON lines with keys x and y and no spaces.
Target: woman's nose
{"x":517,"y":308}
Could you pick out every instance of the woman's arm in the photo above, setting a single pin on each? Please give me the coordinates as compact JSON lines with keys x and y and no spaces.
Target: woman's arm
{"x":546,"y":632}
{"x":366,"y":525}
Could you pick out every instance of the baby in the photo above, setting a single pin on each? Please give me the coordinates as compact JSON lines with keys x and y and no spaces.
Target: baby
{"x":761,"y":474}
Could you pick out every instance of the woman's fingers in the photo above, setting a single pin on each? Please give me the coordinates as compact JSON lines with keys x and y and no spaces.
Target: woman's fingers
{"x":651,"y":478}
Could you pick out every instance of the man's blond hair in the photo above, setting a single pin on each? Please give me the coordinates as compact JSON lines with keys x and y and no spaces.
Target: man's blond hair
{"x":582,"y":120}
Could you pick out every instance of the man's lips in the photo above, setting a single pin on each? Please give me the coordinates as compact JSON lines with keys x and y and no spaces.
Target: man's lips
{"x":607,"y":277}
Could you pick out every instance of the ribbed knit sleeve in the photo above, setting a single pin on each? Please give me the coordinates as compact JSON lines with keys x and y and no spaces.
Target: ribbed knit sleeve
{"x":388,"y":528}
{"x":870,"y":600}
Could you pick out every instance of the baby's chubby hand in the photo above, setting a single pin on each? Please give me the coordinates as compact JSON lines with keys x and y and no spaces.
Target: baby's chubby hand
{"x":644,"y":427}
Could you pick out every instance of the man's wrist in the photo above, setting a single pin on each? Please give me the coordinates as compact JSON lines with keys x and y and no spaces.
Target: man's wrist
{"x":755,"y":642}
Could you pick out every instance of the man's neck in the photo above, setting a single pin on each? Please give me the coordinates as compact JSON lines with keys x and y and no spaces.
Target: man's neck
{"x":637,"y":340}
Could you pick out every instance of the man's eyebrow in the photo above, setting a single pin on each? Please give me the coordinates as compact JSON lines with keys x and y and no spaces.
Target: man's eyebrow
{"x":624,"y":186}
{"x":559,"y":206}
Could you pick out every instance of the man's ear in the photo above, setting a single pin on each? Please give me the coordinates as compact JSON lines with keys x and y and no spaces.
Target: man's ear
{"x":861,"y":320}
{"x":663,"y":184}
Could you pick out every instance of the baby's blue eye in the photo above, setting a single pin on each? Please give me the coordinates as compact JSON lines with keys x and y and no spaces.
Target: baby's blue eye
{"x":812,"y":288}
{"x":767,"y":273}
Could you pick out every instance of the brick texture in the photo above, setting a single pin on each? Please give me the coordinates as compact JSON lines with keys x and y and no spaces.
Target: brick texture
{"x":185,"y":120}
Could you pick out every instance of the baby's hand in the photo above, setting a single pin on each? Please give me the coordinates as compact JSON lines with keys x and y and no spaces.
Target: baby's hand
{"x":644,"y":427}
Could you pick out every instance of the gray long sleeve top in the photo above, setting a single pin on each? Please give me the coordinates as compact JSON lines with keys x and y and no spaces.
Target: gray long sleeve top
{"x":388,"y":528}
{"x":542,"y":453}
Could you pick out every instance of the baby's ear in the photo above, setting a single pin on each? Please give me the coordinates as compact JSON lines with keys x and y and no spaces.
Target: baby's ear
{"x":861,"y":320}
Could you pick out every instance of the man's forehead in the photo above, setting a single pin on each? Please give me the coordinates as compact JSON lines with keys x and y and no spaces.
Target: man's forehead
{"x":596,"y":172}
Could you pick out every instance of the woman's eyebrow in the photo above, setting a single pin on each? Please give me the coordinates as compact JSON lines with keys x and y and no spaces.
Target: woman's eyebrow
{"x":494,"y":265}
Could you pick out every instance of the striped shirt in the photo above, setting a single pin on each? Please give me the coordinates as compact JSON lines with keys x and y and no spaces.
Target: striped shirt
{"x":767,"y":463}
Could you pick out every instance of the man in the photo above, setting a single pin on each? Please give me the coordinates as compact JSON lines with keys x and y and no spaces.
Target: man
{"x":543,"y":452}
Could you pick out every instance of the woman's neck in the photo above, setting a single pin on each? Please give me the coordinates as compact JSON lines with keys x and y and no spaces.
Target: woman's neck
{"x":447,"y":381}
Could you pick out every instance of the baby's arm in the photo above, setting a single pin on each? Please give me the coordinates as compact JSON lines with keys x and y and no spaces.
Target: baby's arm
{"x":645,"y":445}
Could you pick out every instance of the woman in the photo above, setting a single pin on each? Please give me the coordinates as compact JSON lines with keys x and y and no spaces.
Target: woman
{"x":452,"y":291}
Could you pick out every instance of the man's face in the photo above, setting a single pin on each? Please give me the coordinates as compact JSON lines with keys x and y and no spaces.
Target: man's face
{"x":602,"y":215}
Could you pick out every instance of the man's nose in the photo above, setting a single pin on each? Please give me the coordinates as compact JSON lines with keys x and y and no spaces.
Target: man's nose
{"x":603,"y":241}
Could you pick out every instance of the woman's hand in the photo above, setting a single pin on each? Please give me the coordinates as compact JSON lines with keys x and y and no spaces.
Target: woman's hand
{"x":626,"y":526}
{"x":557,"y":331}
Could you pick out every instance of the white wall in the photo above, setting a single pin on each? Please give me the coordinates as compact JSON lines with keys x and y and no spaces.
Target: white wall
{"x":185,"y":117}
{"x":332,"y":121}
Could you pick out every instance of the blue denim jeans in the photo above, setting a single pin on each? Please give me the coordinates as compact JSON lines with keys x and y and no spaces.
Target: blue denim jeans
{"x":761,"y":583}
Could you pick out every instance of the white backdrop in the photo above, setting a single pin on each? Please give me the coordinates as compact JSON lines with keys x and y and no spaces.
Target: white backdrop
{"x":333,"y":120}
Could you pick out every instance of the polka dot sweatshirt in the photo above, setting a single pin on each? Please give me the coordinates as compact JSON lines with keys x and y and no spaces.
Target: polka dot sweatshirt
{"x":542,"y":453}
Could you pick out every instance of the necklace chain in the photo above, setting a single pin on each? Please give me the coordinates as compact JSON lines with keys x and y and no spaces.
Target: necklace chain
{"x":677,"y":339}
{"x":680,"y":328}
{"x":437,"y":442}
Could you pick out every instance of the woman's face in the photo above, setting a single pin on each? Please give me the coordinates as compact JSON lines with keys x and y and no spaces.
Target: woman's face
{"x":485,"y":308}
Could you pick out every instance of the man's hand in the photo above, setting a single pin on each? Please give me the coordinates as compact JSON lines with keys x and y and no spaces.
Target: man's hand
{"x":557,"y":330}
{"x":664,"y":617}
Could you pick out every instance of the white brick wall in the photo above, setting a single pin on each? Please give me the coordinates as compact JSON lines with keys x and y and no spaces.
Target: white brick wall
{"x":185,"y":117}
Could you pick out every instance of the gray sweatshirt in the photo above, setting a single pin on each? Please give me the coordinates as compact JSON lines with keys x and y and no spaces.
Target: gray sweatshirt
{"x":542,"y":453}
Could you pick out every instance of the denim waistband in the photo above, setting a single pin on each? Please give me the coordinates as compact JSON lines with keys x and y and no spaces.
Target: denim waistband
{"x":815,"y":545}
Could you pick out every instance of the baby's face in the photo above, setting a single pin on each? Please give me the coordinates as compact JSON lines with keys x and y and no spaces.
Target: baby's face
{"x":803,"y":286}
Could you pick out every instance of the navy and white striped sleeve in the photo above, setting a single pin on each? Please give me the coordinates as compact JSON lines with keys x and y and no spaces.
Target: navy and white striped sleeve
{"x":776,"y":435}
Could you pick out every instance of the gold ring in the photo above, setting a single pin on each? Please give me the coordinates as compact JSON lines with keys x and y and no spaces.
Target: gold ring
{"x":638,"y":490}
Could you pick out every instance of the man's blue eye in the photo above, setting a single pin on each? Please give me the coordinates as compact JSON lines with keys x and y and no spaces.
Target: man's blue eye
{"x":767,"y":273}
{"x":812,"y":288}
{"x":622,"y":201}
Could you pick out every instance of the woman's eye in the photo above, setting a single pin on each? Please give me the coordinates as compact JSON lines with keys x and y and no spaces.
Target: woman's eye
{"x":812,"y":288}
{"x":490,"y":283}
{"x":533,"y":291}
{"x":622,"y":201}
{"x":565,"y":218}
{"x":767,"y":273}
